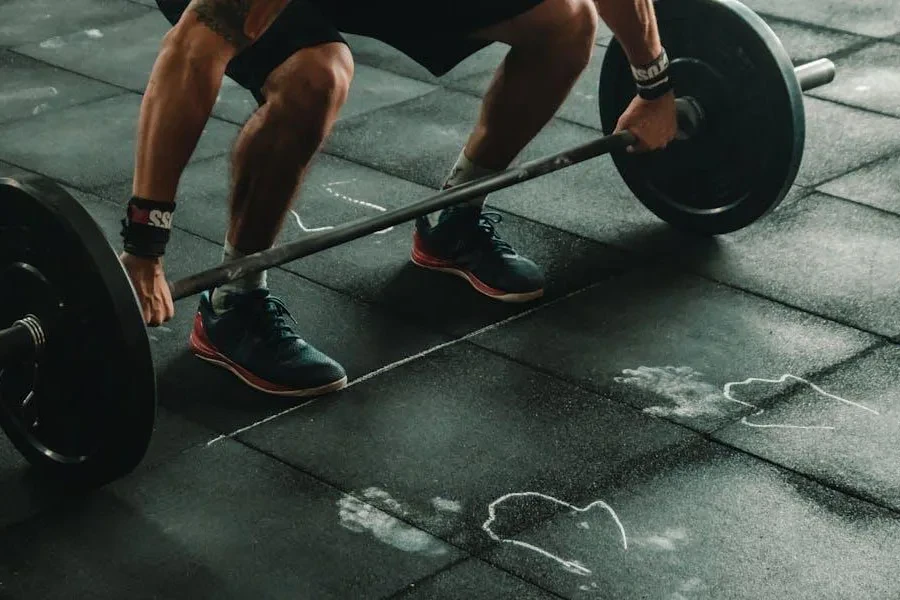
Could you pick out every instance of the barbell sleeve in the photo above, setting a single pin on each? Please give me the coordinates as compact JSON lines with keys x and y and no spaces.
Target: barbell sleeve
{"x":815,"y":74}
{"x":342,"y":234}
{"x":21,"y":340}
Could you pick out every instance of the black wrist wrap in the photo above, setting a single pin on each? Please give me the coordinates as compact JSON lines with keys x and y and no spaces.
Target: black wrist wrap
{"x":652,"y":80}
{"x":147,"y":227}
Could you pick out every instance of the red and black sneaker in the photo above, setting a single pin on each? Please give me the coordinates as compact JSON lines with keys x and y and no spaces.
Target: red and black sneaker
{"x":465,"y":243}
{"x":252,"y":338}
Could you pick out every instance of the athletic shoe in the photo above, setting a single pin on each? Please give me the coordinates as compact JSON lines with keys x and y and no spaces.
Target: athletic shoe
{"x":465,"y":243}
{"x":252,"y":338}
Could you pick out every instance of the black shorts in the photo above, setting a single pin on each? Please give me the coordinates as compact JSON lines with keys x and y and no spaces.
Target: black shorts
{"x":403,"y":24}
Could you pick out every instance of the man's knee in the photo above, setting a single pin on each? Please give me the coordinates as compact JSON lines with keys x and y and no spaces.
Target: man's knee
{"x":573,"y":26}
{"x":563,"y":29}
{"x":309,"y":89}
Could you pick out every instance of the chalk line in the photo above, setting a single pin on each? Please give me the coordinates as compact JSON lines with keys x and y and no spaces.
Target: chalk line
{"x":726,"y":392}
{"x":409,"y":359}
{"x":695,"y":397}
{"x":329,"y":187}
{"x":569,"y":565}
{"x":37,"y":93}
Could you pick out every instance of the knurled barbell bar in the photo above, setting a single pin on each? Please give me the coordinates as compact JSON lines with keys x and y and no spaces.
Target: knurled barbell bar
{"x":77,"y":381}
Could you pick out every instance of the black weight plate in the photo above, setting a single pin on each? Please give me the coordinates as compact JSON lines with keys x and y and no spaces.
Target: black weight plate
{"x":85,"y":409}
{"x":743,"y":161}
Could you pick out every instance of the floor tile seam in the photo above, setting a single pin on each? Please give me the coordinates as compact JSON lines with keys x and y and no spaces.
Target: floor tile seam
{"x":844,"y":490}
{"x":875,"y":162}
{"x":817,"y":27}
{"x":858,"y":328}
{"x":853,"y":48}
{"x":405,"y":589}
{"x":815,"y":93}
{"x":884,"y":211}
{"x":499,"y":568}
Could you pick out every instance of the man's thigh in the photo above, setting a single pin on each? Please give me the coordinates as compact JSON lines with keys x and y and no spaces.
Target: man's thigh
{"x":300,"y":25}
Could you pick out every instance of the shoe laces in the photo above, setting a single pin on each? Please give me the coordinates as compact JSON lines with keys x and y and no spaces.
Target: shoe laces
{"x":270,"y":316}
{"x":487,"y":225}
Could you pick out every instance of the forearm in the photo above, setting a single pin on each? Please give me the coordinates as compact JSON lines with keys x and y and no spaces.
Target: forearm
{"x":633,"y":22}
{"x":176,"y":107}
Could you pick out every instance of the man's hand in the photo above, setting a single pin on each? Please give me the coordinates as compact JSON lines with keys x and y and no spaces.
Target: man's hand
{"x":151,"y":287}
{"x":653,"y":122}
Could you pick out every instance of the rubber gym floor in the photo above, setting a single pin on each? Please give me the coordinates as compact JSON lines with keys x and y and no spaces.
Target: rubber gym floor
{"x":677,"y":419}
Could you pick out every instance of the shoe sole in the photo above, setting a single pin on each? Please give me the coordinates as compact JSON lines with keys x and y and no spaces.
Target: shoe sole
{"x":203,"y":349}
{"x":426,"y":262}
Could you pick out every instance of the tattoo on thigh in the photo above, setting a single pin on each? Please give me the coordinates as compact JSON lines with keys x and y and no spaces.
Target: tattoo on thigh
{"x":225,"y":17}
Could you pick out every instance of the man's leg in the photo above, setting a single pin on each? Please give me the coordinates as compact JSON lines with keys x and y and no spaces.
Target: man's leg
{"x":303,"y":99}
{"x":550,"y":46}
{"x":241,"y":326}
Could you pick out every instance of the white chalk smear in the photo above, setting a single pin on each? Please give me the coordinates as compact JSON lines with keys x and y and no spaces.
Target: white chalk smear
{"x":52,"y":43}
{"x":667,"y":541}
{"x":694,"y":397}
{"x":94,"y":34}
{"x":573,"y":566}
{"x":30,"y":94}
{"x":329,"y":187}
{"x":382,"y":496}
{"x":444,"y":505}
{"x":688,"y":586}
{"x":40,"y":108}
{"x":409,"y":359}
{"x":359,"y":516}
{"x":588,"y":588}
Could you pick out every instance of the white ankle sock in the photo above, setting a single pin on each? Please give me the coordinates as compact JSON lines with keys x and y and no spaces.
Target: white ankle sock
{"x":254,"y":281}
{"x":465,"y":170}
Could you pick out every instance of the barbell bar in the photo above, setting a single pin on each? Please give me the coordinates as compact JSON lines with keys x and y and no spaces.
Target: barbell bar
{"x":47,"y":311}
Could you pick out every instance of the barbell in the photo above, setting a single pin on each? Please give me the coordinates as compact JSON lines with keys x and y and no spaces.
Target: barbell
{"x":77,"y":380}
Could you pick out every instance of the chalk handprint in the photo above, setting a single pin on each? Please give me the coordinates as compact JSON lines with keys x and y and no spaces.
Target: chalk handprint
{"x":694,"y":397}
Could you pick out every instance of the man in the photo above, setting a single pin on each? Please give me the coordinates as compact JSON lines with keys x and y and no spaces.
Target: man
{"x":291,"y":56}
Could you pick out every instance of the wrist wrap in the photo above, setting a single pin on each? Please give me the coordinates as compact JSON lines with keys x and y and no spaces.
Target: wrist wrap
{"x":147,"y":227}
{"x":652,"y":79}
